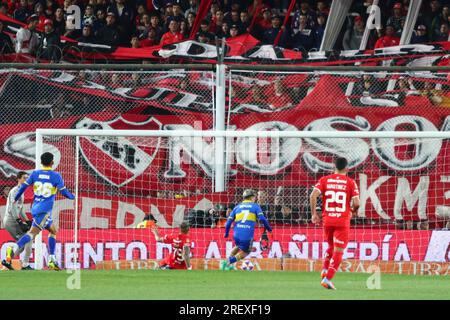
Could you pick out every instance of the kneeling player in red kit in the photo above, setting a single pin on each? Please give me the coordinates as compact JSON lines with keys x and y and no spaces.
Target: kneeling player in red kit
{"x":340,"y":198}
{"x":179,"y":257}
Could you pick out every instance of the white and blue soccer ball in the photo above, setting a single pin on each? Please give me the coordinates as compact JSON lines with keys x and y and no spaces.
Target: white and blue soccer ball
{"x":247,"y":265}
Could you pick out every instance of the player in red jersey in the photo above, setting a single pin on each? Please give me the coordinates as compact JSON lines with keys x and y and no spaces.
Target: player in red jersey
{"x":340,"y":199}
{"x":179,"y":257}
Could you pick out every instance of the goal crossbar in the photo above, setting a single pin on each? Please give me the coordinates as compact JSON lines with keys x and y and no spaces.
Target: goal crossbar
{"x":246,"y":134}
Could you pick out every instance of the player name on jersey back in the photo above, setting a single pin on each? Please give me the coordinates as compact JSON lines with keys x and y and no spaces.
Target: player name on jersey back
{"x":337,"y":192}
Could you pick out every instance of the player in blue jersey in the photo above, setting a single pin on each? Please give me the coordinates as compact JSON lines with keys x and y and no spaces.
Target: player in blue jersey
{"x":245,"y":216}
{"x":46,"y":183}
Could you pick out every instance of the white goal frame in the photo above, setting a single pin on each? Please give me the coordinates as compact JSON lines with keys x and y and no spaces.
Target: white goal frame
{"x":219,"y":178}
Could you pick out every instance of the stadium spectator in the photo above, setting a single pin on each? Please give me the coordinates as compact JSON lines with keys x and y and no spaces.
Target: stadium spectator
{"x":193,"y":8}
{"x":233,"y":18}
{"x":244,"y":26}
{"x":87,"y":35}
{"x":218,"y":215}
{"x":59,"y":108}
{"x":151,"y":39}
{"x":322,"y":8}
{"x":190,"y":20}
{"x":27,"y":40}
{"x":303,"y":35}
{"x":441,"y":18}
{"x":124,"y":15}
{"x":6,"y":45}
{"x":216,"y":23}
{"x":101,"y":18}
{"x":283,"y":215}
{"x":271,"y":34}
{"x":307,"y":13}
{"x":115,"y":81}
{"x":234,"y":31}
{"x":89,"y":18}
{"x":109,"y":34}
{"x":184,"y":29}
{"x":420,"y":35}
{"x":204,"y":29}
{"x":140,"y":11}
{"x":202,"y":37}
{"x":133,"y":18}
{"x":39,"y":11}
{"x":134,"y":42}
{"x":224,"y":32}
{"x":430,"y":15}
{"x":443,"y":33}
{"x":173,"y":35}
{"x":423,"y":225}
{"x":265,"y":22}
{"x":397,"y":18}
{"x":136,"y":82}
{"x":353,"y":36}
{"x":155,"y":23}
{"x":22,"y":12}
{"x":143,"y":25}
{"x":59,"y":23}
{"x":389,"y":39}
{"x":263,"y":201}
{"x":212,"y":10}
{"x":399,"y":224}
{"x":366,"y":87}
{"x":319,"y":30}
{"x":409,"y":225}
{"x":257,"y":95}
{"x":279,"y":99}
{"x":50,"y":46}
{"x":177,"y":14}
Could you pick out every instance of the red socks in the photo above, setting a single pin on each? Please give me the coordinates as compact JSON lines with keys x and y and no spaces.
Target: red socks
{"x":327,"y":258}
{"x":334,"y":264}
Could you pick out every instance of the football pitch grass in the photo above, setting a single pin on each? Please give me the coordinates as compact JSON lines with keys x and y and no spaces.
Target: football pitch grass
{"x":213,"y":284}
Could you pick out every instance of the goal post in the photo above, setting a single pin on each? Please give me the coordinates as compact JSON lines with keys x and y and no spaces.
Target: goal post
{"x":121,"y":176}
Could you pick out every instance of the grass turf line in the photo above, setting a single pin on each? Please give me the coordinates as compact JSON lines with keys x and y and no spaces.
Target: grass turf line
{"x":213,"y":284}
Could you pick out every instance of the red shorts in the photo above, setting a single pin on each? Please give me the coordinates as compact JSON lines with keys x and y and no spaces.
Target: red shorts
{"x":172,"y":265}
{"x":336,"y":236}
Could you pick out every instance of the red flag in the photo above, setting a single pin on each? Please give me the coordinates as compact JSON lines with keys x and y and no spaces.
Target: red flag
{"x":256,"y":14}
{"x":286,"y":18}
{"x":201,"y":14}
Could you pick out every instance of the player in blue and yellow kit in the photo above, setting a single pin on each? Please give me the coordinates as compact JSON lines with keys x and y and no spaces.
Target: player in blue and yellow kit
{"x":46,"y":183}
{"x":245,"y":216}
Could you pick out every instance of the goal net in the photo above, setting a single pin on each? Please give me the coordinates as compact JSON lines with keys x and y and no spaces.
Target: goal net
{"x":179,"y":174}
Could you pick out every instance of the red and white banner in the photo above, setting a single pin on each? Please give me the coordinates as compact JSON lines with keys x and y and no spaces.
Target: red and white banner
{"x":397,"y":179}
{"x":243,"y":49}
{"x":300,"y":243}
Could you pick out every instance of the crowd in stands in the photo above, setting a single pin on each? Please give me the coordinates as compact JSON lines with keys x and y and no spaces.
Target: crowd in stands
{"x":291,"y":209}
{"x":139,"y":23}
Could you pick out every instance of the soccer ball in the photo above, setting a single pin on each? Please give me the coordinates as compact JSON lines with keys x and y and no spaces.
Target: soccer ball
{"x":247,"y":265}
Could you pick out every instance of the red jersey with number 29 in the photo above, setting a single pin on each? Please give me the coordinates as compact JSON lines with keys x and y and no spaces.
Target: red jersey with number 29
{"x":337,"y":192}
{"x":177,"y":242}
